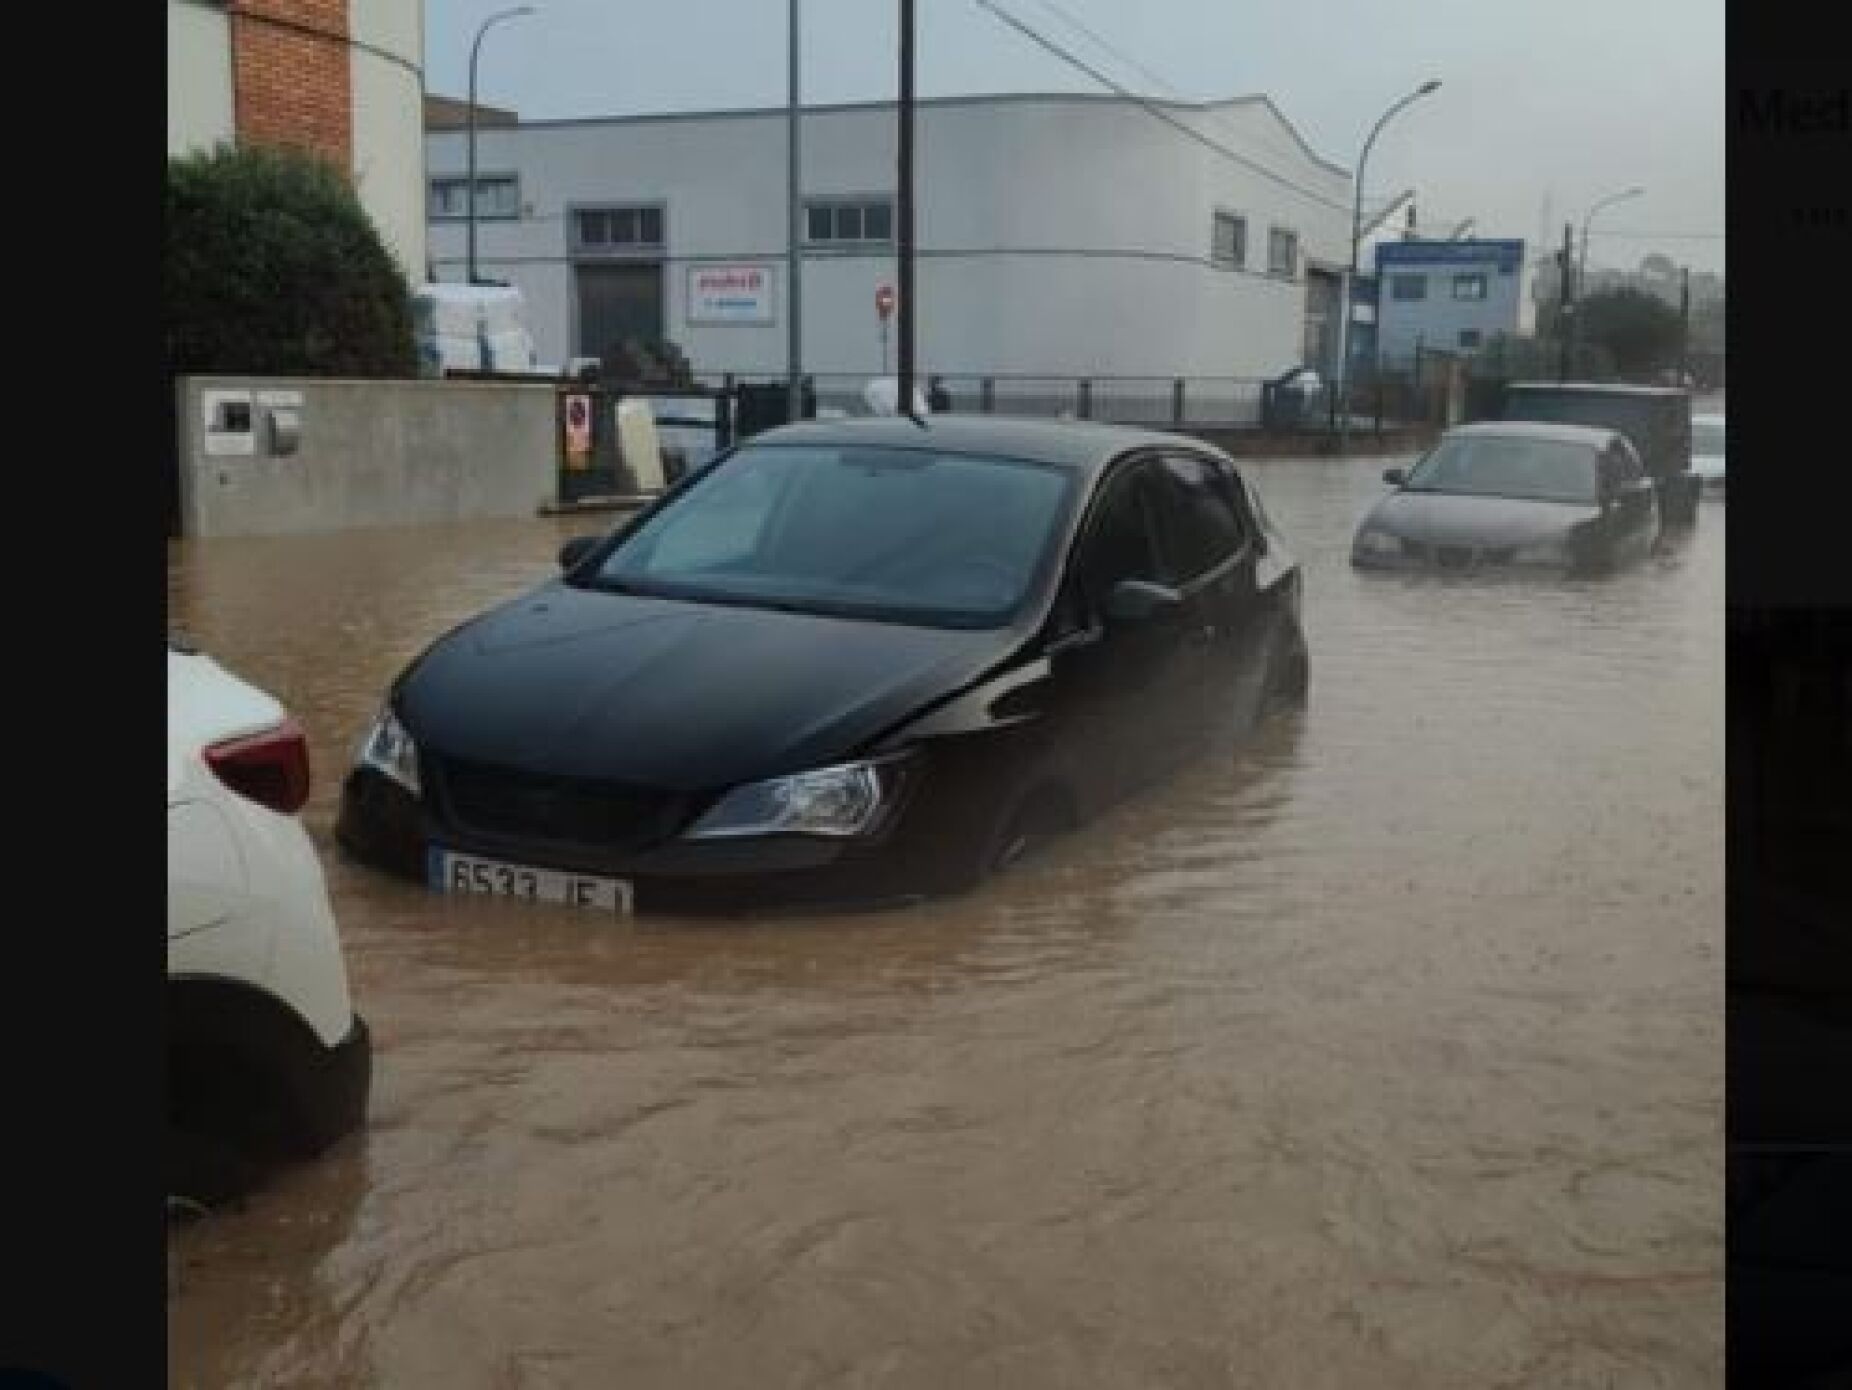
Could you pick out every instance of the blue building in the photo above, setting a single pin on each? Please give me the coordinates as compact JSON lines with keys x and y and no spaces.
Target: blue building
{"x":1455,"y":296}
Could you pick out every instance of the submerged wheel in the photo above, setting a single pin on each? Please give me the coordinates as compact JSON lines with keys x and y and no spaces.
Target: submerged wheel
{"x":1028,"y":826}
{"x":1289,"y":678}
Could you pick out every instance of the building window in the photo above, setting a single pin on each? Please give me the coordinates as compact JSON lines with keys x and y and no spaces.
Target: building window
{"x":1282,"y":252}
{"x":1228,"y":240}
{"x":849,"y":221}
{"x":1469,"y":337}
{"x":1408,"y":287}
{"x":1469,"y":287}
{"x":497,"y":195}
{"x":617,"y":227}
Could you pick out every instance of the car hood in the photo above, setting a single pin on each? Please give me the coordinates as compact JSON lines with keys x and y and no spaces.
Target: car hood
{"x":1432,"y":518}
{"x":672,"y":694}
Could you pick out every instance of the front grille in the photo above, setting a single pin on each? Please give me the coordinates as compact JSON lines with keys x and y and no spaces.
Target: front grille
{"x":1453,"y":557}
{"x":529,"y":807}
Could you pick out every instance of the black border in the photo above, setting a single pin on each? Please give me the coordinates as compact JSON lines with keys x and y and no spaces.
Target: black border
{"x":1789,"y":691}
{"x":84,"y":1258}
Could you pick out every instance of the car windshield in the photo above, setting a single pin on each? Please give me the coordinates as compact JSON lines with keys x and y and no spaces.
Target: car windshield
{"x":1707,"y":436}
{"x":899,"y":534}
{"x":1534,"y":470}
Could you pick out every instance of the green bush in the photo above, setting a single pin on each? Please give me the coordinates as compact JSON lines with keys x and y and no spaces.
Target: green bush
{"x":271,"y":267}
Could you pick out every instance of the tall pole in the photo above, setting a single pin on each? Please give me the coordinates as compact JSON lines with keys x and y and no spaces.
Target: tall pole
{"x":1341,"y":403}
{"x":1684,"y":324}
{"x":469,"y":190}
{"x":1581,"y":274}
{"x":903,"y":209}
{"x":794,"y":260}
{"x":1566,"y":310}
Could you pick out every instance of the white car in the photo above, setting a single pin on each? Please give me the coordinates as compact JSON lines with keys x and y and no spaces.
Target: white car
{"x":265,"y":1055}
{"x":1707,"y":436}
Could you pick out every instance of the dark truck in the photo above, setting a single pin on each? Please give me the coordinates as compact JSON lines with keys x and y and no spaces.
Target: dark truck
{"x":1655,"y":419}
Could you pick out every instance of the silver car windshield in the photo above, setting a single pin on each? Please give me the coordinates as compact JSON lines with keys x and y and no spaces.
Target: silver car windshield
{"x":1534,"y":470}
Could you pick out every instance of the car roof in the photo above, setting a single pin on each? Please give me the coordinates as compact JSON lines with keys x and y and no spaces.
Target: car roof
{"x":1593,"y":436}
{"x":1082,"y":445}
{"x":1601,"y":388}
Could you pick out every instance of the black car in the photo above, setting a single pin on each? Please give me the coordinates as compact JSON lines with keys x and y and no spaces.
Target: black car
{"x":1509,"y":494}
{"x":851,"y":661}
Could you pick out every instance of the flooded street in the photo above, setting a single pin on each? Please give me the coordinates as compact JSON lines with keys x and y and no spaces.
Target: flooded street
{"x":1389,"y":1054}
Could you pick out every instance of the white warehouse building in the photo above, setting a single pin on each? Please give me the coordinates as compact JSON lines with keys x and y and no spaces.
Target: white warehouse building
{"x":1057,"y":236}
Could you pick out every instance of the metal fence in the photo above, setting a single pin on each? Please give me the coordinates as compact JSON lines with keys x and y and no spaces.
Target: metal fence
{"x":1159,"y":402}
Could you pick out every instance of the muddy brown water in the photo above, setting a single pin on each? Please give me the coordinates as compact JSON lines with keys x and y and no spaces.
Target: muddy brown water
{"x":1387,"y":1053}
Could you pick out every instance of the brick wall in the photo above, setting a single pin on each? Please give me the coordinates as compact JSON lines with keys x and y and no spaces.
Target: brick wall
{"x":291,"y":75}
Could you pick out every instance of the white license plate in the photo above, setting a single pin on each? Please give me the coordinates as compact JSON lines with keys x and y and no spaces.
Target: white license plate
{"x":465,"y":873}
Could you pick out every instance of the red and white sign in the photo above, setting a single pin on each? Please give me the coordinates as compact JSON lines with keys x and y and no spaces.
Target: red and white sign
{"x":578,"y":427}
{"x":884,"y":301}
{"x":730,"y":294}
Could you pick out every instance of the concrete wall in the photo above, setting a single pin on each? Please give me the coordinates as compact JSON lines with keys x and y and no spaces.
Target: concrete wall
{"x":1056,"y":234}
{"x":388,"y":123}
{"x":199,"y":82}
{"x":370,"y":453}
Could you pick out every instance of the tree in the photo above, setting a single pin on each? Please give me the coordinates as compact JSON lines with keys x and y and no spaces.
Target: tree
{"x":271,"y":267}
{"x":1639,"y":330}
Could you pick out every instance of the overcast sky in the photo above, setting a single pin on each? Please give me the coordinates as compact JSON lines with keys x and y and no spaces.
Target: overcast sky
{"x":1561,"y":103}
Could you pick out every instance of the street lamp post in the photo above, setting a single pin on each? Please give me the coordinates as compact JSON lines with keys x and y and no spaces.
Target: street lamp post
{"x":794,"y":216}
{"x":1581,"y":270}
{"x":1342,"y":401}
{"x":469,"y":191}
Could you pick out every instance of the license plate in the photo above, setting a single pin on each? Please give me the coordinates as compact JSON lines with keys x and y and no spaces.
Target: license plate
{"x":465,"y":873}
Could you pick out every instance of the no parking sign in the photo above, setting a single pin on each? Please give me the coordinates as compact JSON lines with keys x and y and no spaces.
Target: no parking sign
{"x":578,"y":430}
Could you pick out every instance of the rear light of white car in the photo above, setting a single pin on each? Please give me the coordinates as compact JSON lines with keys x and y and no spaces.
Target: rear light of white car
{"x":271,"y":768}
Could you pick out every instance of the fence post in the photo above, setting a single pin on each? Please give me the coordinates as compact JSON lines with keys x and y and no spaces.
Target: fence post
{"x":723,"y":420}
{"x":987,"y":395}
{"x":1176,"y":401}
{"x":1083,"y":399}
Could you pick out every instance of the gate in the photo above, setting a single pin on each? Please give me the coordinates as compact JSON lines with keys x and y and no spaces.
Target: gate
{"x":693,"y":423}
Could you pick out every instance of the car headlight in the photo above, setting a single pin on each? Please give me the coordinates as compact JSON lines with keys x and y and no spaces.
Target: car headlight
{"x":1544,"y":553}
{"x":388,"y":749}
{"x":840,"y":802}
{"x":1378,"y":543}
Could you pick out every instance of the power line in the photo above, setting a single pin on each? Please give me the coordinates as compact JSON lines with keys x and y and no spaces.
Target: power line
{"x":1105,"y":45}
{"x":1043,"y":41}
{"x":1074,"y":23}
{"x":1657,"y":236}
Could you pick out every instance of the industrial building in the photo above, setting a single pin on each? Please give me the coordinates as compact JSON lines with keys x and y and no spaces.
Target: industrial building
{"x":1451,"y":296}
{"x":1057,"y":235}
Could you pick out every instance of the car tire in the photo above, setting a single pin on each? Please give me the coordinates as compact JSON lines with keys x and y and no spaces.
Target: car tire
{"x":207,"y":1170}
{"x":1289,"y":676}
{"x":1030,"y":823}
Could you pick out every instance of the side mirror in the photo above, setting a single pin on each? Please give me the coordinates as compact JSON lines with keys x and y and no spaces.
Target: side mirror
{"x":1395,"y":477}
{"x":1135,"y":601}
{"x":575,"y":550}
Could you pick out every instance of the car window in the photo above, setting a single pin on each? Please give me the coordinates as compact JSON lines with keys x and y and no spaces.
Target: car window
{"x":1198,"y":524}
{"x":907,"y":535}
{"x":1707,"y":436}
{"x":1119,"y":544}
{"x":1515,"y":466}
{"x":725,"y":529}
